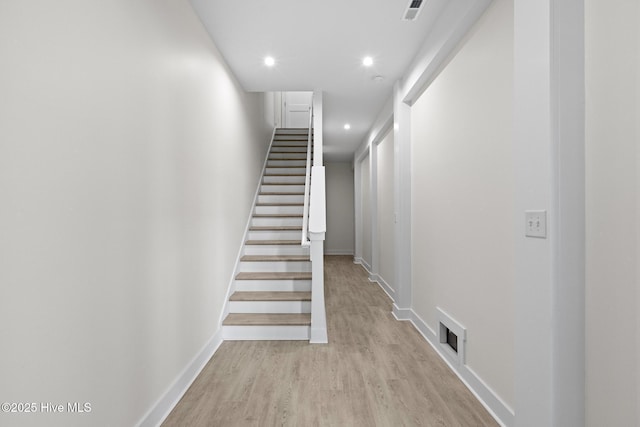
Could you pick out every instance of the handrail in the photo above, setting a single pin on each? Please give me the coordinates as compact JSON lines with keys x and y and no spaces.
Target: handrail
{"x":307,"y":184}
{"x":316,"y":227}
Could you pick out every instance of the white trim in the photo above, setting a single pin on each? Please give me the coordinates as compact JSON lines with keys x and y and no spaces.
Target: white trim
{"x":339,"y":252}
{"x":163,"y":407}
{"x":373,"y":208}
{"x":448,"y":322}
{"x":364,"y":264}
{"x":549,"y":291}
{"x":402,"y":200}
{"x":401,"y":313}
{"x":386,"y":288}
{"x":498,"y":409}
{"x":266,"y":333}
{"x":376,"y":278}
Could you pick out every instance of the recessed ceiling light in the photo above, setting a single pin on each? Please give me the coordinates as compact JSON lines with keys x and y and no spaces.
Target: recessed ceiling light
{"x":347,"y":126}
{"x":367,"y":61}
{"x":269,"y":61}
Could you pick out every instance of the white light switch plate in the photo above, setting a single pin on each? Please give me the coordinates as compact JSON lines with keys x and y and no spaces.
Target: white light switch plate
{"x":536,"y":224}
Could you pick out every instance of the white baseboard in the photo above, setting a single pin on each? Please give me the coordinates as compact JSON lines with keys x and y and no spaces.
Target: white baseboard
{"x":363,"y":263}
{"x":163,"y":407}
{"x":376,"y":278}
{"x":401,"y":313}
{"x":503,"y":414}
{"x":385,"y":287}
{"x":338,"y":252}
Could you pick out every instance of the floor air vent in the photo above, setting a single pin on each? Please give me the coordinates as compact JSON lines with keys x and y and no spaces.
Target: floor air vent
{"x":412,"y":10}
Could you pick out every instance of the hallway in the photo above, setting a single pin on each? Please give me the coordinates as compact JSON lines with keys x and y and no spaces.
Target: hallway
{"x":375,"y":371}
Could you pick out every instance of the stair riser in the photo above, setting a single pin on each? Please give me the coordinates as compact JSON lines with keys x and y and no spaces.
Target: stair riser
{"x":273,"y":285}
{"x":293,"y":179}
{"x":269,"y":307}
{"x":275,"y":266}
{"x":299,"y":188}
{"x":287,"y":155}
{"x":274,"y":235}
{"x":279,"y":163}
{"x":276,"y":149}
{"x":284,"y":171}
{"x":266,"y":333}
{"x":294,"y":210}
{"x":265,"y":222}
{"x":300,"y":144}
{"x":280,"y":198}
{"x":291,"y":137}
{"x":275,"y":250}
{"x":292,"y":132}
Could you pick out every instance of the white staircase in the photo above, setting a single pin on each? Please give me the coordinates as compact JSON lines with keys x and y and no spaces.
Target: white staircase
{"x":271,"y":297}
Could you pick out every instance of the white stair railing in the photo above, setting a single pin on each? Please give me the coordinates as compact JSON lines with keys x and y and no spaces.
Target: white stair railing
{"x":314,"y":223}
{"x":307,"y":183}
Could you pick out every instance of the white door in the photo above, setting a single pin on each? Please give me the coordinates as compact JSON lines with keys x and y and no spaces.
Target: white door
{"x":296,"y":107}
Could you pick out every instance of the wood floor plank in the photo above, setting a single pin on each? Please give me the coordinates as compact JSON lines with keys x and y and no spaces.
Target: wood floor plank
{"x":261,"y":319}
{"x":276,"y":228}
{"x":375,"y":371}
{"x":250,"y":275}
{"x":273,"y":242}
{"x":270,"y":296}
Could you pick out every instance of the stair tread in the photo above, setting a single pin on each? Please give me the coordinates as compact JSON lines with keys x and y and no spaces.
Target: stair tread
{"x":280,"y":204}
{"x":282,"y":183}
{"x":284,"y":174}
{"x":268,"y":319}
{"x":270,"y":296}
{"x":276,"y":228}
{"x":272,"y":242}
{"x":284,"y":215}
{"x":284,"y":167}
{"x":274,"y":258}
{"x":281,"y":193}
{"x":268,"y":275}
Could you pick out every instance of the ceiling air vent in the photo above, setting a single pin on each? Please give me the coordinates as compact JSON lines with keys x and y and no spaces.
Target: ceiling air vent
{"x":412,"y":10}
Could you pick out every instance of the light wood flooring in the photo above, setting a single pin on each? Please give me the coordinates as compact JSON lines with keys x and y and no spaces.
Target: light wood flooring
{"x":375,"y":371}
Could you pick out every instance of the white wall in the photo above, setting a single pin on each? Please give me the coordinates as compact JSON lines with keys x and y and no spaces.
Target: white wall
{"x":340,"y":236}
{"x":365,"y":197}
{"x":270,"y":109}
{"x":385,"y":225}
{"x":463,"y":196}
{"x":613,"y":216}
{"x":129,"y":158}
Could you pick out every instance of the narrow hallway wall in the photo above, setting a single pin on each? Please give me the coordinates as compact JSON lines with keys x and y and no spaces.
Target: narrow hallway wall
{"x":613,"y":219}
{"x":365,"y":181}
{"x":385,"y":225}
{"x":129,"y":158}
{"x":463,"y":197}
